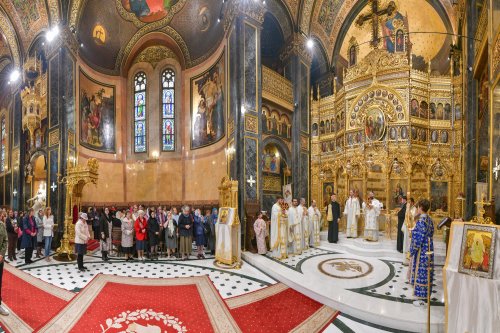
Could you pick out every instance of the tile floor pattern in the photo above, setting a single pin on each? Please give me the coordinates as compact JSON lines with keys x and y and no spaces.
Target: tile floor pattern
{"x":394,"y":287}
{"x":229,"y":283}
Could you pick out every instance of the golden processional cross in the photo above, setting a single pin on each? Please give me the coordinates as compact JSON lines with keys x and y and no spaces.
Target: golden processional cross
{"x":374,"y":17}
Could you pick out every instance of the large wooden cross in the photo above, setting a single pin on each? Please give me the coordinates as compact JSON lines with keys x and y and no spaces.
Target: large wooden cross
{"x":374,"y":17}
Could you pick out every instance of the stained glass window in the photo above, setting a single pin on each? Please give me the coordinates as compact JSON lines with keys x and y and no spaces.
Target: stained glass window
{"x":168,"y":110}
{"x":140,"y":112}
{"x":3,"y":142}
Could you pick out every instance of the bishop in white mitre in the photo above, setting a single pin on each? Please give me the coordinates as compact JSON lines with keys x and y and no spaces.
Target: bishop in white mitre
{"x":295,"y":228}
{"x":372,"y":209}
{"x":352,"y":211}
{"x":306,"y":227}
{"x":279,"y":231}
{"x":315,"y":224}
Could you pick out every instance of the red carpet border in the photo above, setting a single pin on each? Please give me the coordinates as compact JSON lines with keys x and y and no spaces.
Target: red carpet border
{"x":113,"y":304}
{"x":31,"y":301}
{"x":279,"y":309}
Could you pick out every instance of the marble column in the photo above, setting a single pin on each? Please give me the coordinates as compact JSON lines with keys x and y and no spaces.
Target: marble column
{"x":297,"y":58}
{"x":61,"y":113}
{"x":471,"y":134}
{"x":243,"y":21}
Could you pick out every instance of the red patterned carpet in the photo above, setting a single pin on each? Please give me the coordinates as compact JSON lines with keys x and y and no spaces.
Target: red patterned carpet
{"x":31,"y":301}
{"x":279,"y":309}
{"x":115,"y":304}
{"x":111,"y":304}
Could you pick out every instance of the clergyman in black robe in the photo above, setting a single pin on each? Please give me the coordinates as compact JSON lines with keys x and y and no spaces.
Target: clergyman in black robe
{"x":333,"y":218}
{"x":401,"y":220}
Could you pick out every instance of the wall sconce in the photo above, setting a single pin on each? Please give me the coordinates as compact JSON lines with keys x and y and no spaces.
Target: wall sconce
{"x":155,"y":154}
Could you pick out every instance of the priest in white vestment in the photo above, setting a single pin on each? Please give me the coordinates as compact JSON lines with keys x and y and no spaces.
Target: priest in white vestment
{"x":306,"y":227}
{"x":315,"y":224}
{"x":371,"y":208}
{"x":407,"y":227}
{"x":352,"y":211}
{"x":295,"y":228}
{"x":279,"y":231}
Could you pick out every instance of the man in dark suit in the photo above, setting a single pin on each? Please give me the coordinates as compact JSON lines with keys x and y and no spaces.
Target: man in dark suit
{"x":401,"y":220}
{"x":333,"y":218}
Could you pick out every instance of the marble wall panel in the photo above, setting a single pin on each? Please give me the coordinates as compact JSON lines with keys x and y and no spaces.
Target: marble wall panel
{"x":54,"y":91}
{"x":8,"y":189}
{"x":251,"y":167}
{"x":250,"y":67}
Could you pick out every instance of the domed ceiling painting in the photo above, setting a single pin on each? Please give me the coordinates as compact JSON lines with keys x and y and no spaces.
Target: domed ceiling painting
{"x":425,"y":28}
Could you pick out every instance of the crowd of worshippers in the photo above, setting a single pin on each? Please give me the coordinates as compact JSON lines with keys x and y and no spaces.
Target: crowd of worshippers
{"x":147,"y":233}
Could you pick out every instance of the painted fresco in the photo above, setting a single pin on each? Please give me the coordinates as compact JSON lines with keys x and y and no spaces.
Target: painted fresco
{"x":327,"y":14}
{"x":208,"y":106}
{"x":439,"y":196}
{"x":97,"y":115}
{"x":27,"y":11}
{"x":149,"y":10}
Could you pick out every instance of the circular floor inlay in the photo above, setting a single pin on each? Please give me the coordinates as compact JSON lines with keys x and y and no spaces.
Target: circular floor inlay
{"x":345,"y":268}
{"x":143,"y":320}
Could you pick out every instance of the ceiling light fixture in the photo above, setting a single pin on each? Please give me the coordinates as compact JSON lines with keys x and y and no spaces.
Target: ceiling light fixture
{"x":52,"y":33}
{"x":310,"y":43}
{"x":14,"y":75}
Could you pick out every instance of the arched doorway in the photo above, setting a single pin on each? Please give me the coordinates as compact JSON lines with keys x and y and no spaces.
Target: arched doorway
{"x":36,"y":181}
{"x":276,"y":172}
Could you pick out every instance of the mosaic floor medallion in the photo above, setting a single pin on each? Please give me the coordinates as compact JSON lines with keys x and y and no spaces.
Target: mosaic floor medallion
{"x":345,"y":268}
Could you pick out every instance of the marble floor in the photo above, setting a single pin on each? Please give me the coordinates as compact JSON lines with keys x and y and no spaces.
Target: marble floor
{"x":372,"y":293}
{"x":368,"y":303}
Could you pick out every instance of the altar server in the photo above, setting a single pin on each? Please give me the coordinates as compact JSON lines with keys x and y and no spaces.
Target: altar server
{"x":352,"y":212}
{"x":421,"y":243}
{"x":315,"y":224}
{"x":260,"y":228}
{"x":279,"y":230}
{"x":371,"y":209}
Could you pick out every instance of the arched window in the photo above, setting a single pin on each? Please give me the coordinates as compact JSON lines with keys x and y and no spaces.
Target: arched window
{"x":140,"y":112}
{"x":3,"y":143}
{"x":352,"y":55}
{"x":168,"y":110}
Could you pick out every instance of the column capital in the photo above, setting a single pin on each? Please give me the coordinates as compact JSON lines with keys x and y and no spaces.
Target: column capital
{"x":252,"y":9}
{"x":297,"y":45}
{"x":65,"y":38}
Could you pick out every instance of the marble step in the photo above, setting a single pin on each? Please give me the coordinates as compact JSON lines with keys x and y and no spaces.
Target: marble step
{"x":384,"y":248}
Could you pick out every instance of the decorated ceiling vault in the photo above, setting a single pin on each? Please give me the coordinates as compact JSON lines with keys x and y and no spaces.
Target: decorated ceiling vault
{"x":179,"y":89}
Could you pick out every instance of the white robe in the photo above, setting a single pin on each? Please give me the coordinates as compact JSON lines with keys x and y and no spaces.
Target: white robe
{"x":279,"y":233}
{"x":371,"y":219}
{"x":306,"y":228}
{"x":352,"y":211}
{"x":295,"y":230}
{"x":315,"y":225}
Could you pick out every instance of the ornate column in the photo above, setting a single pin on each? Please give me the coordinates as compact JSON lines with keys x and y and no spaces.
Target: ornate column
{"x":298,"y":62}
{"x":61,"y":147}
{"x":243,"y":22}
{"x":470,"y":170}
